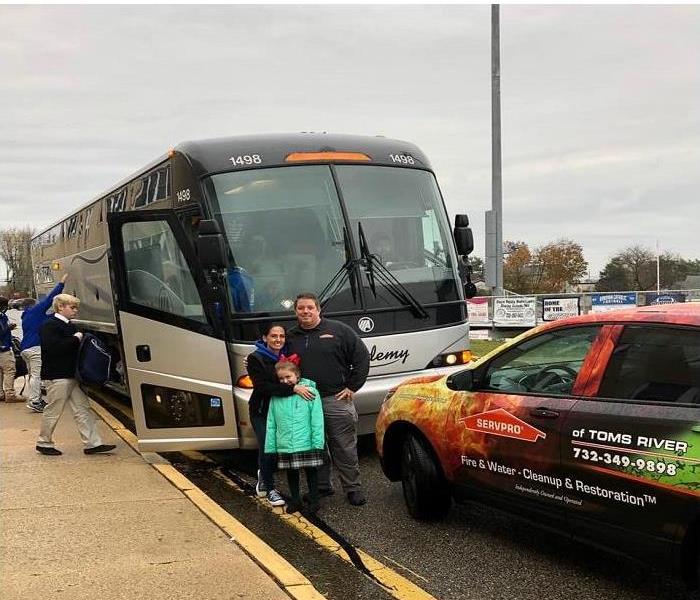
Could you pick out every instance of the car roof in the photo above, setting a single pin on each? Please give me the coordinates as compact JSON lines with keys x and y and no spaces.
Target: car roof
{"x":681,"y":313}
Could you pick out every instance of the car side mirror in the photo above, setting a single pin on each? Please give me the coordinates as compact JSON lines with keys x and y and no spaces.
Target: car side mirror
{"x":211,"y":245}
{"x":463,"y":381}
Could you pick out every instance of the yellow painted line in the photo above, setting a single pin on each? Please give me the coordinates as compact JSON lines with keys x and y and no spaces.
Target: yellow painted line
{"x":196,"y":455}
{"x":304,"y":592}
{"x":175,"y":477}
{"x":395,"y":584}
{"x":287,"y":576}
{"x":116,"y":426}
{"x":276,"y":566}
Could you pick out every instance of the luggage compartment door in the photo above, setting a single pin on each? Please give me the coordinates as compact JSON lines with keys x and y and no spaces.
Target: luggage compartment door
{"x":177,"y":363}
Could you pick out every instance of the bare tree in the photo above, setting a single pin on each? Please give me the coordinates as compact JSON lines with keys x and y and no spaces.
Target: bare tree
{"x":634,"y":268}
{"x":15,"y":243}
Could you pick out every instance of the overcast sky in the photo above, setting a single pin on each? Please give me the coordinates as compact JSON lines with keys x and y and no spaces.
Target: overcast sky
{"x":600,"y":104}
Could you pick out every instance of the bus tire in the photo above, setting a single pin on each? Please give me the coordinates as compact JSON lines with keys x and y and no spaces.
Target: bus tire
{"x":425,"y":490}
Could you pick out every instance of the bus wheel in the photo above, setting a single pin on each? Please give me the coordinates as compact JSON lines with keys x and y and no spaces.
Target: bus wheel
{"x":425,"y":490}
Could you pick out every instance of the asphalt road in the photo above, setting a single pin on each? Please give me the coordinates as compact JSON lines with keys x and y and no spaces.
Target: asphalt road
{"x":482,"y":553}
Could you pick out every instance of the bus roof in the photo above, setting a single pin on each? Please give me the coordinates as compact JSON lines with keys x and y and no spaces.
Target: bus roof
{"x":214,"y":155}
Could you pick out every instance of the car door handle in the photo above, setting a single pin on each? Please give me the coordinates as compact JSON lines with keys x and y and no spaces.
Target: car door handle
{"x":544,"y":413}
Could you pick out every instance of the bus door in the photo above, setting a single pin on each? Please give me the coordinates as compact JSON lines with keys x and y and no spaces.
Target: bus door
{"x":177,"y":364}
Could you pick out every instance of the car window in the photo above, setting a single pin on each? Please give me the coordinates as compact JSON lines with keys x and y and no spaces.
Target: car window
{"x":548,"y":363}
{"x":654,"y":363}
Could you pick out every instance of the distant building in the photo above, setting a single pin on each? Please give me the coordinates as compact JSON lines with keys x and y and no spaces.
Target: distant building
{"x":585,"y":286}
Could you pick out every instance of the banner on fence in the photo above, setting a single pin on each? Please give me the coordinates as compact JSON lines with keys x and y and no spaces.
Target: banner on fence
{"x":478,"y":309}
{"x":479,"y":334}
{"x":603,"y":302}
{"x":554,"y":309}
{"x":665,"y":298}
{"x":514,"y":311}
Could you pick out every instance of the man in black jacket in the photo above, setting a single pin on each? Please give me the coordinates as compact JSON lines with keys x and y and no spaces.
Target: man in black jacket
{"x":60,"y":341}
{"x":335,"y":357}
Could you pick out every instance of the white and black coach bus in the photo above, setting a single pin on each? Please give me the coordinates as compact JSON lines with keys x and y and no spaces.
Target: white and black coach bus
{"x":179,"y":266}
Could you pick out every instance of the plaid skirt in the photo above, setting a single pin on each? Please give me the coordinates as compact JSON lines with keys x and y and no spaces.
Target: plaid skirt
{"x":297,"y":460}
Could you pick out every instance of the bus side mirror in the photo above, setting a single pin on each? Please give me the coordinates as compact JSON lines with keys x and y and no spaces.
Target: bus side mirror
{"x":464,"y":240}
{"x":211,"y":245}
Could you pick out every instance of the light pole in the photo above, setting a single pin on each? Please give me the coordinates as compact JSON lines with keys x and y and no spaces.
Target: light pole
{"x":496,"y":182}
{"x":658,"y":269}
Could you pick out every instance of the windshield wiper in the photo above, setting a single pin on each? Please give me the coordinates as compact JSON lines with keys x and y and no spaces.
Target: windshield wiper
{"x":376,"y":270}
{"x":345,"y":273}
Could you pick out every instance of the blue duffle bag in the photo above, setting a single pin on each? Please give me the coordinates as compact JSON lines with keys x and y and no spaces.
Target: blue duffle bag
{"x":94,"y":360}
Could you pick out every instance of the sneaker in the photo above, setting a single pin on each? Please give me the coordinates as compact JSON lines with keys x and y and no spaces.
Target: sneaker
{"x":275,"y":498}
{"x":356,"y":498}
{"x":260,"y":489}
{"x":37,"y":408}
{"x":293,"y":507}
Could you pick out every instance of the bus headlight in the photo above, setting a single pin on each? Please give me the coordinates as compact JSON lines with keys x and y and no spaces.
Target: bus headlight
{"x":461,"y":357}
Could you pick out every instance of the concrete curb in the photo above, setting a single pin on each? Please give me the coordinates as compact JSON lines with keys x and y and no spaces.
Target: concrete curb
{"x":286,"y":575}
{"x":394,"y":583}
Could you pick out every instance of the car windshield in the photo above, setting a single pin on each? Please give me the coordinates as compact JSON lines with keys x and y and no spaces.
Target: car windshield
{"x":547,"y":363}
{"x":284,"y":227}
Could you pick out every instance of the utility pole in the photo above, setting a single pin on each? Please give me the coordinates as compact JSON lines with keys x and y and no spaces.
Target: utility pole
{"x":658,"y":269}
{"x":496,"y":182}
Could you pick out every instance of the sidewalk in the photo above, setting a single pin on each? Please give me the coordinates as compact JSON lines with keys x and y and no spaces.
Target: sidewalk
{"x":106,"y":526}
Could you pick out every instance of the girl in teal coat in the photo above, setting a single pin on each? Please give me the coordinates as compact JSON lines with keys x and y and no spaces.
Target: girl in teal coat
{"x":295,"y":433}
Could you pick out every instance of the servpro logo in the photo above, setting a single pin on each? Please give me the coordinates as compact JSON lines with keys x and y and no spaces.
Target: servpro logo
{"x":502,"y":423}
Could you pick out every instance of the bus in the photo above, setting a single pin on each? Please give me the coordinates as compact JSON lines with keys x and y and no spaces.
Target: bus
{"x":180,"y":266}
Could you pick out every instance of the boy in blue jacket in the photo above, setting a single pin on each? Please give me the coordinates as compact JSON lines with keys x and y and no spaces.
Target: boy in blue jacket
{"x":33,"y":317}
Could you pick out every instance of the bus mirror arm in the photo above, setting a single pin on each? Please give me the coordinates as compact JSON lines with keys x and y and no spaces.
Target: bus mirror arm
{"x":465,"y":274}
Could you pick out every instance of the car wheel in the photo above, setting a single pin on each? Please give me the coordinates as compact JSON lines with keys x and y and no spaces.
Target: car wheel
{"x":425,"y":490}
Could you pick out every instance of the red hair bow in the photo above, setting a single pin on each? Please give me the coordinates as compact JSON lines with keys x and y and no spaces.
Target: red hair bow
{"x":292,"y":358}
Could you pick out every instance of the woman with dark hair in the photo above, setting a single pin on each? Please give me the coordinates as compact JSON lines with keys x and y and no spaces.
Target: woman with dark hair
{"x":261,"y":369}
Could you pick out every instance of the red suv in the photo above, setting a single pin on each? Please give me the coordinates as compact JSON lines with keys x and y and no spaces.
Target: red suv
{"x":590,"y":425}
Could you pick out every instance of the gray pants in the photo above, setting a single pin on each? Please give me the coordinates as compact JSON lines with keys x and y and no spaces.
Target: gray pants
{"x":60,"y":392}
{"x":340,"y":422}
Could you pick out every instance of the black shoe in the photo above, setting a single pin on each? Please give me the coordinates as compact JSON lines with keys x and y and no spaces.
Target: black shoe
{"x":356,"y":498}
{"x":47,"y":451}
{"x":293,"y":506}
{"x":100,"y":448}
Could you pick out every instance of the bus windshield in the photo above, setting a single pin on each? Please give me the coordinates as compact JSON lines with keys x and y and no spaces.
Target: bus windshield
{"x":285,"y":225}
